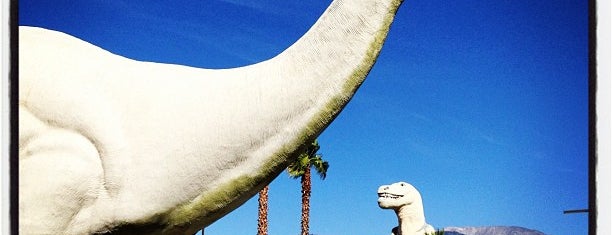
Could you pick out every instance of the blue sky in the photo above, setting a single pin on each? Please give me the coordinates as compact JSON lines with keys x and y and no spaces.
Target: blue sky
{"x":481,"y":105}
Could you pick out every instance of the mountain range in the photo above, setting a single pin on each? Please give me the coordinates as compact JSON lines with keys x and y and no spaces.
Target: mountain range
{"x":491,"y":230}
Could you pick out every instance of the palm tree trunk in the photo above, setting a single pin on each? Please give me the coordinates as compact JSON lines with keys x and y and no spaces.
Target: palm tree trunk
{"x":306,"y":189}
{"x":262,"y":219}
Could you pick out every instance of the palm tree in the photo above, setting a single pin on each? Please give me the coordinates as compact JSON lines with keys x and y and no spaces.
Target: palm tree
{"x":262,"y":218}
{"x":301,"y":169}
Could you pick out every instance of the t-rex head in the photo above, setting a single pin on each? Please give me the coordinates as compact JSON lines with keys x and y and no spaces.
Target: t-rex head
{"x":397,"y":195}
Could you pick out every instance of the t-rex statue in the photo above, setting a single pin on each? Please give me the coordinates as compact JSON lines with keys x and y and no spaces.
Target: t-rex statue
{"x":109,"y":144}
{"x":407,"y":203}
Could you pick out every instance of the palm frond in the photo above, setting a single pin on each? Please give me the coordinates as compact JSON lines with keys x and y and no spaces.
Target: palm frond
{"x":320,"y":166}
{"x":309,"y":158}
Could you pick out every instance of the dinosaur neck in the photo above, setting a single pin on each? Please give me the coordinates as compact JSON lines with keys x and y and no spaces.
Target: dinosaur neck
{"x":411,"y":219}
{"x":307,"y":85}
{"x":341,"y":46}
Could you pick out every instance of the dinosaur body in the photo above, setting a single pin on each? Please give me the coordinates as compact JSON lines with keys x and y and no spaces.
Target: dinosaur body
{"x":407,"y":203}
{"x":110,"y":144}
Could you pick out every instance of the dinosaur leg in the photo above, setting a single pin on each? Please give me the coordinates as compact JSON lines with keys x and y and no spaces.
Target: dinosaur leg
{"x":60,"y":178}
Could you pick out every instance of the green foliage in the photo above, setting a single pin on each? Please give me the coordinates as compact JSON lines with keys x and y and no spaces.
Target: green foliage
{"x":439,"y":232}
{"x":309,"y":158}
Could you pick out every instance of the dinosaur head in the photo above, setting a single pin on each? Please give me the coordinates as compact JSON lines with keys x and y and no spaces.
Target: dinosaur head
{"x":397,"y":195}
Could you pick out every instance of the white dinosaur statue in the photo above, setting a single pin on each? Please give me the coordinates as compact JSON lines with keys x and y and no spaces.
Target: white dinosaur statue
{"x":112,"y":145}
{"x":407,"y":203}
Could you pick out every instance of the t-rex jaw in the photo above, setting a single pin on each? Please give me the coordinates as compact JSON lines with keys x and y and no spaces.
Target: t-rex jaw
{"x":389,"y":195}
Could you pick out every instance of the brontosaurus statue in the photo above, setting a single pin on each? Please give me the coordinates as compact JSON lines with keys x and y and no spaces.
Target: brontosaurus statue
{"x":407,"y":203}
{"x":112,"y":145}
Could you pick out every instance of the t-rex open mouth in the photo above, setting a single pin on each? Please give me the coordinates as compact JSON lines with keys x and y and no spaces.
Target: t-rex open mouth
{"x":389,"y":195}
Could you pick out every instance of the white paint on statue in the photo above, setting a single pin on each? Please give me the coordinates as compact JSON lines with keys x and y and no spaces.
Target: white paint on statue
{"x":107,"y":143}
